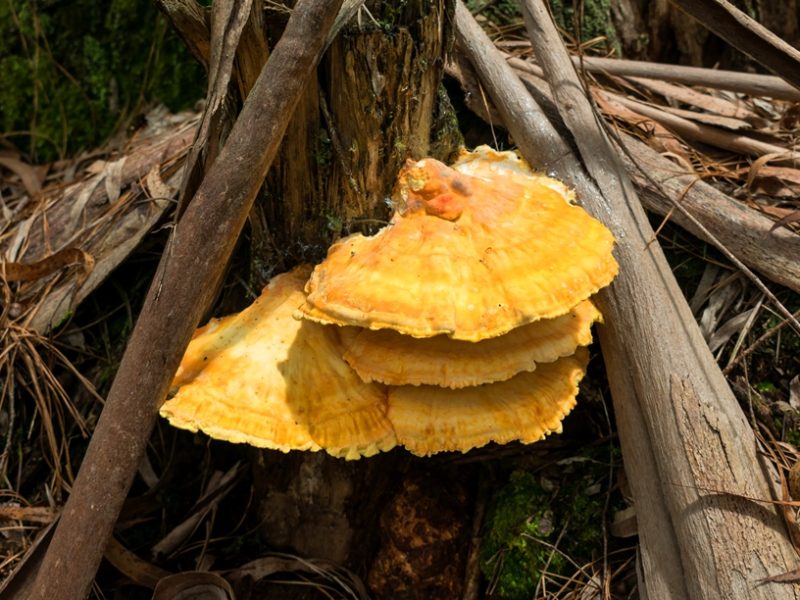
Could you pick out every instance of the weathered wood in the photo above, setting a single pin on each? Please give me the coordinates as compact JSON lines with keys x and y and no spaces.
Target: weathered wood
{"x":746,"y":232}
{"x":746,"y":34}
{"x":704,"y":443}
{"x":714,"y":136}
{"x":681,"y":429}
{"x":353,"y":130}
{"x":182,"y":290}
{"x":752,"y":84}
{"x":101,"y":215}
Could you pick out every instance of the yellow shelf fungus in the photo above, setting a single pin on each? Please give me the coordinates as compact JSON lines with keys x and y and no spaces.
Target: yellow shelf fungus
{"x":264,"y":378}
{"x":462,"y":322}
{"x":471,"y":257}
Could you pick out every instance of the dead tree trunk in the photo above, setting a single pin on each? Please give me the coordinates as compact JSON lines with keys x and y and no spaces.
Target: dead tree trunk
{"x":376,"y":103}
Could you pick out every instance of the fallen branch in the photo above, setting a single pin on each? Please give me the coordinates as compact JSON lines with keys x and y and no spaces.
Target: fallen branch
{"x":746,"y":34}
{"x":680,"y":426}
{"x":686,"y":128}
{"x":746,"y":232}
{"x":752,"y":84}
{"x":182,"y":291}
{"x":706,"y":134}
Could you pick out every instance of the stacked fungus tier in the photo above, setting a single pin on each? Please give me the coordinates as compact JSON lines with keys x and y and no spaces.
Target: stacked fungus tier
{"x":462,"y":322}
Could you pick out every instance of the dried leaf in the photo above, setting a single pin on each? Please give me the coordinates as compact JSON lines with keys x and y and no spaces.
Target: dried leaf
{"x":266,"y":566}
{"x":760,"y":163}
{"x":728,"y":329}
{"x":707,"y":279}
{"x":155,"y":185}
{"x":792,"y":217}
{"x":718,"y":303}
{"x":15,"y":271}
{"x":31,"y":180}
{"x":113,"y":179}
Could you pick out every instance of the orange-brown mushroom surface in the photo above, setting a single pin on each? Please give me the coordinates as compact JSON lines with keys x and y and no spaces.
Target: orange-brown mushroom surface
{"x":396,"y":359}
{"x":429,"y":419}
{"x":266,"y":379}
{"x":471,"y":257}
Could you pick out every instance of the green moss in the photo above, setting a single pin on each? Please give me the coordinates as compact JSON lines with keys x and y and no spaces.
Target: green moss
{"x":589,"y":18}
{"x":593,"y":17}
{"x":526,"y":519}
{"x":446,"y":137}
{"x":766,"y":387}
{"x":323,"y":153}
{"x":512,"y":555}
{"x":501,"y":12}
{"x":75,"y":71}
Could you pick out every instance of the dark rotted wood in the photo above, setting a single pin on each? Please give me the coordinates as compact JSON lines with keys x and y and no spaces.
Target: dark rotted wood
{"x":423,"y":533}
{"x":182,"y":290}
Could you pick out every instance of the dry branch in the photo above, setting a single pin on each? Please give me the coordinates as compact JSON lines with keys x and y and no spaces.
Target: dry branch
{"x":746,"y":34}
{"x":746,"y":232}
{"x":681,"y":429}
{"x":705,"y":133}
{"x":752,"y":84}
{"x":182,"y":291}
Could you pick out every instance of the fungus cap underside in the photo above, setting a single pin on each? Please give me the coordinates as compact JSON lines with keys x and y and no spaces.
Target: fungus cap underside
{"x":264,"y":378}
{"x":396,"y":359}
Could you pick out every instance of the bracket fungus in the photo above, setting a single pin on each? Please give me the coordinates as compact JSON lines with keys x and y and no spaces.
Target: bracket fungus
{"x":429,"y":419}
{"x":264,"y":378}
{"x":390,"y":357}
{"x":472,"y":257}
{"x":462,"y":322}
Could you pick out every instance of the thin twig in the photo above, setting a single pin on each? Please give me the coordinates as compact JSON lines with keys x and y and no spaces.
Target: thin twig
{"x":755,"y":345}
